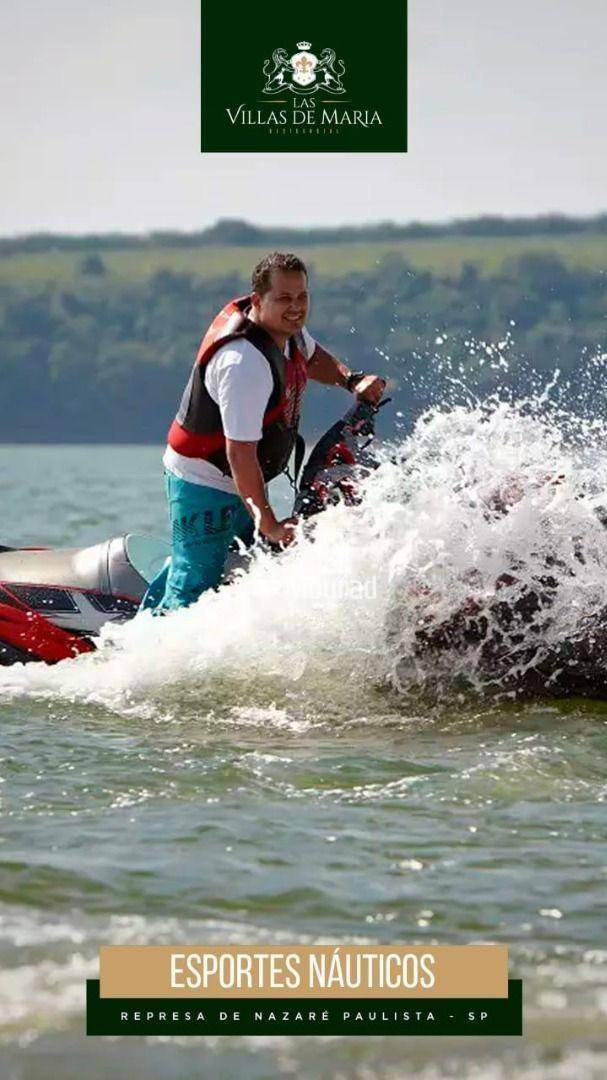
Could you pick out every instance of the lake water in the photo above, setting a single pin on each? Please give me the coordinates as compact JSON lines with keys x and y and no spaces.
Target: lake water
{"x":247,"y":771}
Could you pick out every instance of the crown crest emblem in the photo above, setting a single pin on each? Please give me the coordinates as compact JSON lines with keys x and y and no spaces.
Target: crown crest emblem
{"x":303,"y":73}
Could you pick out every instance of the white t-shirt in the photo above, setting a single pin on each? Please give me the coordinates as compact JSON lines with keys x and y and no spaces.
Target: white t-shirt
{"x":238,"y":379}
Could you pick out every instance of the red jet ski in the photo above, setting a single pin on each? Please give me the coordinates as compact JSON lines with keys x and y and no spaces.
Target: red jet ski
{"x":53,"y":603}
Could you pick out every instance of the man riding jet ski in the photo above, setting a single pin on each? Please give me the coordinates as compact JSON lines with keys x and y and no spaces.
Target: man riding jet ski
{"x":53,"y":603}
{"x":237,"y":425}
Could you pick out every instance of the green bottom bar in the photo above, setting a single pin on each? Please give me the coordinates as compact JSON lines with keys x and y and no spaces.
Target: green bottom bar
{"x":333,"y":1016}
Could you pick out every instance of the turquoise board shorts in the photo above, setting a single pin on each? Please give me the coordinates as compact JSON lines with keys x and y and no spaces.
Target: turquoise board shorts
{"x":204,"y":523}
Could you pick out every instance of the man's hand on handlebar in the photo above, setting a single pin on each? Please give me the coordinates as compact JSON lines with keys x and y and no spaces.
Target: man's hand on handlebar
{"x":280,"y":532}
{"x":370,"y":388}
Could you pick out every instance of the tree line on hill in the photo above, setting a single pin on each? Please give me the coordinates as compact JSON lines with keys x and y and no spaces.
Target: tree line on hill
{"x":236,"y":232}
{"x":101,"y":360}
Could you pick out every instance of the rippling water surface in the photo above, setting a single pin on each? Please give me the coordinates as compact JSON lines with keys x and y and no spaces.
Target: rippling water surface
{"x":252,"y":770}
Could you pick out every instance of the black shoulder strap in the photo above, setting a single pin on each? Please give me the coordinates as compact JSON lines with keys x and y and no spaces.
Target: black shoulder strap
{"x":300,"y":453}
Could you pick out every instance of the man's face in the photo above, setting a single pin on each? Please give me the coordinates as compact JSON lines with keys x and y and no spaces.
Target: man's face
{"x":283,"y":309}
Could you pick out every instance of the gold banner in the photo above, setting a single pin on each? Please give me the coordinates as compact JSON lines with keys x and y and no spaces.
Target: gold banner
{"x":303,"y":971}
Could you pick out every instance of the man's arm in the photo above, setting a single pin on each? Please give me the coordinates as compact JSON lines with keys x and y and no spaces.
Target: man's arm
{"x":326,"y":368}
{"x":249,"y":481}
{"x":241,"y":391}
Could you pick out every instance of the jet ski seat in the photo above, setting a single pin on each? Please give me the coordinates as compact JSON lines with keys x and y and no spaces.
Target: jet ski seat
{"x":122,"y":566}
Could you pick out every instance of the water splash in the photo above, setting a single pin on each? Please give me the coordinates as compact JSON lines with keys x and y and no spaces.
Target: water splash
{"x":505,"y":551}
{"x":490,"y":511}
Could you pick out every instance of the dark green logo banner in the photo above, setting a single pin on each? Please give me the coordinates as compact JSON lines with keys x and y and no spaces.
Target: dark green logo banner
{"x":343,"y":1016}
{"x":325,"y":77}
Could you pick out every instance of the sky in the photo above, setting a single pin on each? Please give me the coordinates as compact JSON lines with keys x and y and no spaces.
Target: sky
{"x":100,"y":122}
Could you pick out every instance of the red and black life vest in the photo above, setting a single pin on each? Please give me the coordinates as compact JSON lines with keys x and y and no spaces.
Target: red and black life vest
{"x":197,"y":431}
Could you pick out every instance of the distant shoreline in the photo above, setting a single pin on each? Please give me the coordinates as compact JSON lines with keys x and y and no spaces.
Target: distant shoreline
{"x":235,"y":231}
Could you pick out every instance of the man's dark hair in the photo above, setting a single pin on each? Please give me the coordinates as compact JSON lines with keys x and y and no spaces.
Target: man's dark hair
{"x":276,"y":260}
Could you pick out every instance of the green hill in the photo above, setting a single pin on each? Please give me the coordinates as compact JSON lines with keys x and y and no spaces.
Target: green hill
{"x":97,"y":334}
{"x":442,"y":255}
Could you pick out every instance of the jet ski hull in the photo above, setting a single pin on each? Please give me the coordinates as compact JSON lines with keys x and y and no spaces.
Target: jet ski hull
{"x":508,"y":655}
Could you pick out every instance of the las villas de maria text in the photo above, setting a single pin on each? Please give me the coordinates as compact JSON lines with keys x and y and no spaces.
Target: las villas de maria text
{"x":304,"y":120}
